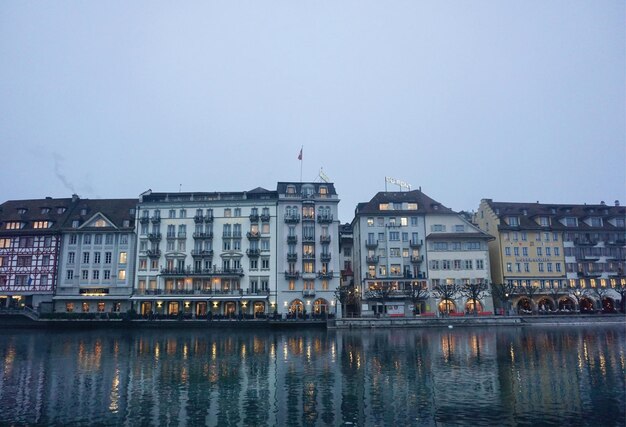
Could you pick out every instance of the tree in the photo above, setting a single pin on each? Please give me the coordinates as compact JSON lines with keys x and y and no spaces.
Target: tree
{"x":619,"y":286}
{"x":529,"y":290}
{"x":599,"y":292}
{"x":474,"y":291}
{"x":347,"y":297}
{"x":504,"y":292}
{"x":446,"y":292}
{"x":379,"y":292}
{"x":417,"y":291}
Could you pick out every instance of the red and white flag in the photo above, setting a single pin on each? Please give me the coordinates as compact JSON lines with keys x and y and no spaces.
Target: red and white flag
{"x":300,"y":155}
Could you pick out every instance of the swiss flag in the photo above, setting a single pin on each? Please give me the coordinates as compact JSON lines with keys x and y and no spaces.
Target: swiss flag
{"x":300,"y":155}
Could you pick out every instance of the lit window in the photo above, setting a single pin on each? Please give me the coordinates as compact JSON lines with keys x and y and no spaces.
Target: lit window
{"x":121,"y":275}
{"x":123,"y":257}
{"x":100,"y":223}
{"x":411,"y":206}
{"x":13,"y":225}
{"x":383,"y":206}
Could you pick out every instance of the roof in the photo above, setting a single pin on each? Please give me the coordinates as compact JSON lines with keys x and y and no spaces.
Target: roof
{"x":459,"y":236}
{"x":527,"y":214}
{"x":114,"y":210}
{"x":28,"y":212}
{"x":425,"y":204}
{"x":281,"y":187}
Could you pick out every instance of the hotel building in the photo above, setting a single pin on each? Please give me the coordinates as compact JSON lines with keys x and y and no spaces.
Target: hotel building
{"x":557,"y":256}
{"x":97,"y":262}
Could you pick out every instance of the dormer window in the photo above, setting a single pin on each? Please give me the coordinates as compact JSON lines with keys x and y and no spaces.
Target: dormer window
{"x":595,"y":221}
{"x":544,"y":221}
{"x":13,"y":225}
{"x":21,"y":211}
{"x":570,"y":221}
{"x":126,"y":223}
{"x":323,"y":191}
{"x":60,"y":210}
{"x":75,"y":223}
{"x":383,"y":206}
{"x":45,"y":210}
{"x":42,"y":224}
{"x":411,"y":206}
{"x":513,"y":221}
{"x":83,"y":211}
{"x":291,"y":189}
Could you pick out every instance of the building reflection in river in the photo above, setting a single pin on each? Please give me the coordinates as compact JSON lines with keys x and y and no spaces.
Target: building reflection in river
{"x":425,"y":377}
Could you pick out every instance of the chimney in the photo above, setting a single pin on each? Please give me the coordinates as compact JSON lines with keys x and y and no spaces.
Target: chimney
{"x":75,"y":197}
{"x":602,"y":203}
{"x":617,"y":203}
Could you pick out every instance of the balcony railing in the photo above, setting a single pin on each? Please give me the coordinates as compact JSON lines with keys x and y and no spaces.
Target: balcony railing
{"x":308,"y":293}
{"x":207,"y":292}
{"x":417,"y":258}
{"x":585,"y":242}
{"x":416,"y":243}
{"x":292,"y":239}
{"x":207,"y":253}
{"x":253,"y":235}
{"x":292,"y":257}
{"x":153,"y":253}
{"x":198,"y":219}
{"x":265,"y":217}
{"x":308,"y":256}
{"x":171,"y":235}
{"x":154,"y":237}
{"x":308,"y":238}
{"x":208,"y":218}
{"x":308,"y":217}
{"x":292,"y":274}
{"x":325,"y":274}
{"x":155,"y":219}
{"x":202,"y":272}
{"x":325,"y":256}
{"x":208,"y":235}
{"x":292,"y":219}
{"x":324,"y":219}
{"x":372,"y":259}
{"x":182,"y":235}
{"x":324,"y":239}
{"x":144,"y":219}
{"x":370,"y":244}
{"x":253,"y":252}
{"x":254,"y":218}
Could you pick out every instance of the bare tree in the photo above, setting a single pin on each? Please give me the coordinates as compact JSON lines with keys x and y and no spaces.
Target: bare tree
{"x":347,"y":297}
{"x":599,"y":292}
{"x":446,"y":292}
{"x":474,"y":291}
{"x":504,"y":292}
{"x":417,"y":291}
{"x":529,"y":291}
{"x":379,"y":292}
{"x":620,"y":288}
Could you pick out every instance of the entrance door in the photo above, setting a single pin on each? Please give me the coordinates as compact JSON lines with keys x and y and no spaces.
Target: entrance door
{"x":146,"y":308}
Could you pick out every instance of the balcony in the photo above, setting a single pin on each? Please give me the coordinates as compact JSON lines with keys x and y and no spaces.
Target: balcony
{"x":265,"y":217}
{"x":254,"y":218}
{"x":156,"y":219}
{"x":324,"y":239}
{"x":202,"y":272}
{"x":236,"y":234}
{"x":417,"y":259}
{"x":308,"y":238}
{"x":292,"y":219}
{"x":292,"y":239}
{"x":416,"y":243}
{"x":371,"y":244}
{"x":170,"y":236}
{"x":253,"y":235}
{"x":201,"y":236}
{"x":154,"y":237}
{"x":208,"y":218}
{"x":202,"y":253}
{"x":308,"y":217}
{"x":372,"y":259}
{"x":182,"y":235}
{"x":324,"y":218}
{"x":325,"y":256}
{"x":292,"y":257}
{"x":308,"y":293}
{"x":308,"y":256}
{"x":144,"y":219}
{"x":325,"y":274}
{"x":198,"y":219}
{"x":585,"y":242}
{"x":253,"y":253}
{"x":227,"y":235}
{"x":292,"y":274}
{"x":153,"y":253}
{"x":616,"y":243}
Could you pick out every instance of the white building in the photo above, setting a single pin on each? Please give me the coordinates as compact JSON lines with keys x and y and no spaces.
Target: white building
{"x":206,"y":254}
{"x":97,"y":264}
{"x":308,"y":248}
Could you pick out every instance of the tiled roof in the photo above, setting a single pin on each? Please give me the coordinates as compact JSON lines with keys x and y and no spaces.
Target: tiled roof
{"x":281,"y":187}
{"x":29,"y":211}
{"x":115,"y":210}
{"x":425,"y":204}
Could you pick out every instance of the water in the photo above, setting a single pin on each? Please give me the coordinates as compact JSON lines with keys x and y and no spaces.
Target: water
{"x":483,"y":376}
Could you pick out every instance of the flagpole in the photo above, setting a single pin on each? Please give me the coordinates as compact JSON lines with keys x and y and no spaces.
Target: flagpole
{"x":301,"y":156}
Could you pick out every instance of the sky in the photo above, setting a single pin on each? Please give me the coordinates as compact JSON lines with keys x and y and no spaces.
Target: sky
{"x":517,"y":101}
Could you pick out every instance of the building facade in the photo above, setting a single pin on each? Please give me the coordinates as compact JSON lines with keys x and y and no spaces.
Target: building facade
{"x":308,"y":248}
{"x":556,"y":257}
{"x":30,"y":243}
{"x":97,"y":258}
{"x":206,"y":254}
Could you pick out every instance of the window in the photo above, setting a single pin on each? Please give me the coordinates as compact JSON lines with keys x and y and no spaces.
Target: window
{"x":370,"y":222}
{"x":595,"y":221}
{"x":558,"y":266}
{"x":513,"y":221}
{"x":539,"y":251}
{"x":445,"y":264}
{"x":13,"y":225}
{"x":404,"y":221}
{"x":124,"y":239}
{"x":237,"y":211}
{"x":411,"y":206}
{"x":41,"y":224}
{"x":107,"y":257}
{"x":480,"y":264}
{"x":570,"y":221}
{"x":227,"y":213}
{"x":434,"y":264}
{"x":87,"y":239}
{"x":85,"y":274}
{"x":549,"y":265}
{"x":459,"y":228}
{"x":254,"y":264}
{"x":544,"y":221}
{"x":524,"y":236}
{"x":69,"y":307}
{"x":5,"y":243}
{"x":383,"y":206}
{"x":518,"y":267}
{"x":456,"y":264}
{"x":97,"y":239}
{"x":440,"y":246}
{"x":555,"y":237}
{"x":70,"y":257}
{"x":265,"y":264}
{"x":509,"y":267}
{"x":438,"y":228}
{"x":85,"y":257}
{"x":183,"y":213}
{"x":109,"y":239}
{"x":143,"y":264}
{"x":524,"y":251}
{"x":468,"y":264}
{"x":95,"y":275}
{"x":540,"y":265}
{"x":123,"y":257}
{"x":557,"y":251}
{"x":69,"y":275}
{"x":121,"y":274}
{"x":395,"y":270}
{"x":75,"y":223}
{"x":96,"y":257}
{"x":516,"y":251}
{"x":100,"y":223}
{"x":526,"y":267}
{"x":548,"y":251}
{"x":394,"y":236}
{"x":507,"y":251}
{"x":394,"y":252}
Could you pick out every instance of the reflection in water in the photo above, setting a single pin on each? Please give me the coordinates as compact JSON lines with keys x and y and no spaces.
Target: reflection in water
{"x":502,"y":376}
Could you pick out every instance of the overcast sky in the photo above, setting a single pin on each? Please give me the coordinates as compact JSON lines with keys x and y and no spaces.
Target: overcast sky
{"x":510,"y":100}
